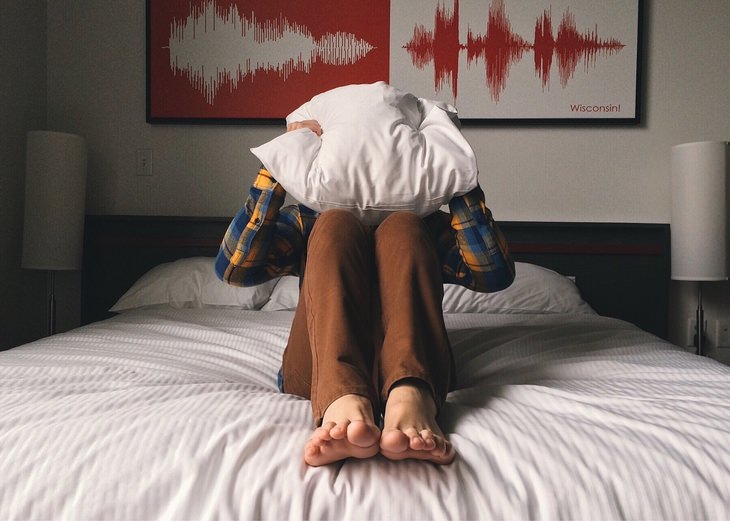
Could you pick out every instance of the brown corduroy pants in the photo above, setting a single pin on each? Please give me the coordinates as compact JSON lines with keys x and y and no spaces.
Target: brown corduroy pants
{"x":369,"y":313}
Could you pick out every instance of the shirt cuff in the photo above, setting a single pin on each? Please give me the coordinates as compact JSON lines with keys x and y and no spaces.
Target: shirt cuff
{"x":265,"y":182}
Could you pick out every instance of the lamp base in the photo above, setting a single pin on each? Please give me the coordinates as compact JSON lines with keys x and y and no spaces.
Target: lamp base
{"x":700,"y":320}
{"x":51,"y":316}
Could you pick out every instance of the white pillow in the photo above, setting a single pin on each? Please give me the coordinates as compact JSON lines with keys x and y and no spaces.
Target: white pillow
{"x":534,"y":290}
{"x":285,"y":295}
{"x":381,"y":150}
{"x":190,"y":283}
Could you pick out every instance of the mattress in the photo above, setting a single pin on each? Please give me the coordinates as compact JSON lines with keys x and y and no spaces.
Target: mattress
{"x":175,"y":414}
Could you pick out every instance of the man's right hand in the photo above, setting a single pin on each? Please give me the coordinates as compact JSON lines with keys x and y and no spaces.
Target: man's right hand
{"x":311,"y":124}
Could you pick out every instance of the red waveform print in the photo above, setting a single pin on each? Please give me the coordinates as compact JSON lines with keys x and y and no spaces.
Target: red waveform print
{"x":571,"y":46}
{"x":440,"y":47}
{"x":272,"y":46}
{"x":261,"y":58}
{"x":544,"y":45}
{"x":500,"y":48}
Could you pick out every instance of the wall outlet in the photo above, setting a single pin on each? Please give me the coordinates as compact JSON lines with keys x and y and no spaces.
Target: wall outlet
{"x":691,"y":331}
{"x":722,"y":333}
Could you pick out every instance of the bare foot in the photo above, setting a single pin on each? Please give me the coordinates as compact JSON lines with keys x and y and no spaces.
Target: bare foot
{"x":410,"y":429}
{"x":348,"y":431}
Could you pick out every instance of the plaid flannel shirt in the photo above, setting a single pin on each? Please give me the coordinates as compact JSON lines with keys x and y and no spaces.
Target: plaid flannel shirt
{"x":265,"y":241}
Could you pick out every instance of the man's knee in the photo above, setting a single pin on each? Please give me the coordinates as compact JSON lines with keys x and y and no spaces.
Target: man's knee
{"x":405,"y":236}
{"x":336,"y":219}
{"x":338,"y":227}
{"x":402,"y":225}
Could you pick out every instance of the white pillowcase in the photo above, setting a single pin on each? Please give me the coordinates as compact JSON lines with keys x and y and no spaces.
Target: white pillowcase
{"x":381,"y":150}
{"x":534,"y":290}
{"x":190,"y":283}
{"x":285,"y":295}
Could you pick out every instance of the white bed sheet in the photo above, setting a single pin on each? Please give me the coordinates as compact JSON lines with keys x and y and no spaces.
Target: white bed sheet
{"x":175,"y":414}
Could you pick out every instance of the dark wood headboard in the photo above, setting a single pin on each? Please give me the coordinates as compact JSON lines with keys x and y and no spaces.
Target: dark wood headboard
{"x":622,"y":270}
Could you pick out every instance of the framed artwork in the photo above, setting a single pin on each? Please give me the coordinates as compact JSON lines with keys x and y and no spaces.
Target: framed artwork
{"x":497,"y":61}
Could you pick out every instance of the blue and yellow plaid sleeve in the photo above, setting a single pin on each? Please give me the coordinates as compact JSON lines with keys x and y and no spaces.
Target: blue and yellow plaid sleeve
{"x":472,"y":249}
{"x":263,"y":241}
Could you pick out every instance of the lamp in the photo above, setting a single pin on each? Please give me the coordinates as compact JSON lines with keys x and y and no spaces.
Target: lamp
{"x":55,"y":193}
{"x":700,"y":218}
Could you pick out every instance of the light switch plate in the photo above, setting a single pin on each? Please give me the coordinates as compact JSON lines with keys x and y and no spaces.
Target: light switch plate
{"x":144,"y":162}
{"x":722,"y":333}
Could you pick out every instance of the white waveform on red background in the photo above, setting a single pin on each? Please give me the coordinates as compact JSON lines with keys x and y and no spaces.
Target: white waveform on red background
{"x":215,"y":46}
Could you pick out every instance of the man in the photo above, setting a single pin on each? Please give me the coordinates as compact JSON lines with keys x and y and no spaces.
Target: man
{"x":368,"y":336}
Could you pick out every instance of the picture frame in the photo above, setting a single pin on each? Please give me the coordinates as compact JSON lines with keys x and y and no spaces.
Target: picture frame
{"x":496,"y":61}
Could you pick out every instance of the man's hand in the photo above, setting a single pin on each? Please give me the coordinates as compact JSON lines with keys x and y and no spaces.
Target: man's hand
{"x":311,"y":124}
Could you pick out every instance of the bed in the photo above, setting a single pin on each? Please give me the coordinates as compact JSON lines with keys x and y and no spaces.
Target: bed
{"x":170,"y":410}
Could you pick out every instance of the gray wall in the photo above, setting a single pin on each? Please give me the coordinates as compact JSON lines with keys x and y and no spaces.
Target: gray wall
{"x":23,"y":108}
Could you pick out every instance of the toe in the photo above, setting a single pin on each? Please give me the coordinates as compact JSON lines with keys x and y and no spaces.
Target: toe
{"x":339,"y":431}
{"x":394,"y":441}
{"x":415,"y":440}
{"x":428,"y":439}
{"x":323,"y":433}
{"x":311,"y":452}
{"x":440,"y":445}
{"x":362,"y":434}
{"x":443,"y":452}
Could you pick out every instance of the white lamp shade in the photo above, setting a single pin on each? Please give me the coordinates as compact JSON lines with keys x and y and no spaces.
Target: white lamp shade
{"x":55,"y":195}
{"x":700,"y":211}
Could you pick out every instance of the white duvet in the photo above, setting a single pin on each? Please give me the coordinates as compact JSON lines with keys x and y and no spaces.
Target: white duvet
{"x":175,"y":414}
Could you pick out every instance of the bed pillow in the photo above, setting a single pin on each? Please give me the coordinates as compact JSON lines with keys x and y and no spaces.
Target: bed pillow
{"x":285,"y":295}
{"x":381,"y":150}
{"x":534,"y":290}
{"x":190,"y":283}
